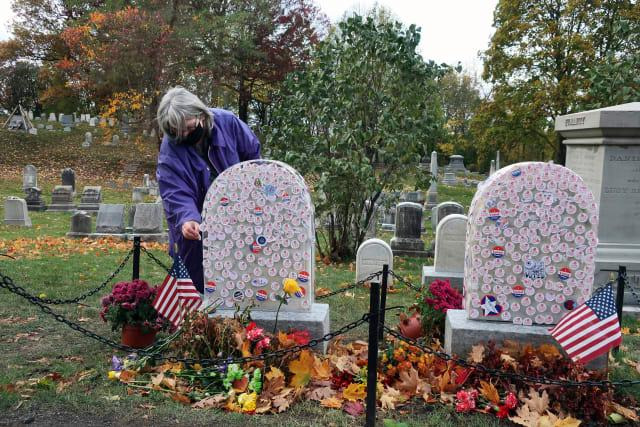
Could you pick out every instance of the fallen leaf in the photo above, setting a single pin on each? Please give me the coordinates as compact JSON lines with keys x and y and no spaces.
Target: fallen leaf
{"x":489,"y":391}
{"x":321,"y":370}
{"x":240,"y":386}
{"x":477,"y":353}
{"x":111,"y":398}
{"x":537,"y":402}
{"x":321,"y":393}
{"x":320,"y":292}
{"x":390,"y":397}
{"x":354,"y":392}
{"x":281,"y":403}
{"x":408,"y":382}
{"x":353,"y":408}
{"x":331,"y":402}
{"x":147,"y":406}
{"x":215,"y":401}
{"x":126,"y":375}
{"x":526,"y":417}
{"x":567,"y":422}
{"x":181,"y":398}
{"x":302,"y":369}
{"x":629,"y":414}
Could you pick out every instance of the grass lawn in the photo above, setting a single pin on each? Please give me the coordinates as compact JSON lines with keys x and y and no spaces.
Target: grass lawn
{"x":35,"y":345}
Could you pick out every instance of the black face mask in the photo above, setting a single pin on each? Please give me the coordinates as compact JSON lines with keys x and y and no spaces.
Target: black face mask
{"x":193,"y":137}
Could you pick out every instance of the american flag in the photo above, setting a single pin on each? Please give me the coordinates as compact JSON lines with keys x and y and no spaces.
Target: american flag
{"x":177,"y":294}
{"x":591,"y":329}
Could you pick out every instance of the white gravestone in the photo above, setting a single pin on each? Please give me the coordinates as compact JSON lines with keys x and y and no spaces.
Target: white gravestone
{"x":29,"y":177}
{"x":432,"y":194}
{"x":372,"y":255}
{"x":531,"y":242}
{"x":258,"y":230}
{"x":449,"y":252}
{"x":15,"y":212}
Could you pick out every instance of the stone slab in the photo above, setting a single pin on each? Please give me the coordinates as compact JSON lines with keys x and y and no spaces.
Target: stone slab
{"x":413,"y":254}
{"x":317,"y":321}
{"x":61,"y":207}
{"x":429,"y":274}
{"x":461,"y":334}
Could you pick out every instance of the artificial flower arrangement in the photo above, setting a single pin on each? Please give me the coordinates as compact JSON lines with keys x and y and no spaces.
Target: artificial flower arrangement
{"x":433,"y":305}
{"x":129,"y":306}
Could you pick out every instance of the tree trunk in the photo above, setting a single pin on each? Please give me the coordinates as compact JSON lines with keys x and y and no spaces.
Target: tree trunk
{"x":243,"y":101}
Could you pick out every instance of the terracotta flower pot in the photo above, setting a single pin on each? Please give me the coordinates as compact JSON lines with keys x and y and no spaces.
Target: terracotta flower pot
{"x":410,"y":327}
{"x":133,"y":336}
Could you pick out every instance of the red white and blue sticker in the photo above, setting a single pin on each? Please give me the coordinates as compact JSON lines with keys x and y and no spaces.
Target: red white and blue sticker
{"x":303,"y":276}
{"x":497,"y":251}
{"x":261,"y":295}
{"x":285,"y":197}
{"x":256,"y":248}
{"x":224,"y":201}
{"x":301,"y":293}
{"x":210,"y":287}
{"x":564,"y":273}
{"x":259,"y":282}
{"x":517,"y":291}
{"x":490,"y":305}
{"x":258,"y":211}
{"x":494,"y":214}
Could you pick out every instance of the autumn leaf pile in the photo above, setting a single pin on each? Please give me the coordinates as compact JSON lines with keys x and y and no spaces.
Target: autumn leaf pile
{"x":61,"y":247}
{"x":406,"y":376}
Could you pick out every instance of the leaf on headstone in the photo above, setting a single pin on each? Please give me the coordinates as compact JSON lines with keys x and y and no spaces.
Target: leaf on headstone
{"x":477,"y":353}
{"x":354,"y":391}
{"x":353,"y":408}
{"x":408,"y":382}
{"x":537,"y":402}
{"x":331,"y":402}
{"x":489,"y":391}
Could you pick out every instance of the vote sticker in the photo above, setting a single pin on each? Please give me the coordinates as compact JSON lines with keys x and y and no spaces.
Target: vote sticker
{"x":262,"y":295}
{"x":301,"y":293}
{"x":256,"y":248}
{"x":285,"y":197}
{"x":210,"y":287}
{"x":257,"y":211}
{"x":564,"y":273}
{"x":259,"y":282}
{"x":261,"y":240}
{"x":224,"y":201}
{"x":238,"y":296}
{"x":303,"y":276}
{"x":517,"y":291}
{"x":494,"y":214}
{"x":497,"y":251}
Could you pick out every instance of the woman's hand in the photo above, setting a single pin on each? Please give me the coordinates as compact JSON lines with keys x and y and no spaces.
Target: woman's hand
{"x":191,"y":230}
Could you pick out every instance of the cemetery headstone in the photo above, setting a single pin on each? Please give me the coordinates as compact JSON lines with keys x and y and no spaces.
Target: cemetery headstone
{"x":442,"y":210}
{"x":30,"y":115}
{"x":492,"y":168}
{"x":52,"y":117}
{"x":112,"y":122}
{"x":138,"y":195}
{"x":148,"y":218}
{"x":115,"y":140}
{"x":62,"y":199}
{"x":93,"y":122}
{"x":456,"y":163}
{"x":372,"y":255}
{"x":91,"y":198}
{"x":34,"y":199}
{"x":529,"y":256}
{"x":603,"y":147}
{"x":80,"y":224}
{"x":448,"y":261}
{"x":29,"y":177}
{"x":49,"y":127}
{"x":432,"y":194}
{"x":258,"y":232}
{"x":69,"y":178}
{"x":33,"y":131}
{"x":15,"y":212}
{"x":449,"y":178}
{"x":110,"y":219}
{"x":498,"y":160}
{"x":66,"y":129}
{"x":40,"y":126}
{"x":88,"y":140}
{"x":145,"y":180}
{"x":67,"y":120}
{"x":415,"y":197}
{"x":16,"y":122}
{"x":406,"y":240}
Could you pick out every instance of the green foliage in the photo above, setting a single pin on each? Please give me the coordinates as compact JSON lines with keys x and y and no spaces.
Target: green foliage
{"x":19,"y":85}
{"x":365,"y":109}
{"x":539,"y":61}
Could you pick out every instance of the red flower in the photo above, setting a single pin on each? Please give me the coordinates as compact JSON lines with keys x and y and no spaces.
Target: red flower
{"x":503,"y":411}
{"x":300,"y":337}
{"x":511,"y":401}
{"x":466,"y":400}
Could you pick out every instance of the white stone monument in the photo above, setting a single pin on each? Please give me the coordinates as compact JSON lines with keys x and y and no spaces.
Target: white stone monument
{"x":449,"y":252}
{"x":15,"y":212}
{"x":372,"y":255}
{"x":258,"y":231}
{"x":432,"y":193}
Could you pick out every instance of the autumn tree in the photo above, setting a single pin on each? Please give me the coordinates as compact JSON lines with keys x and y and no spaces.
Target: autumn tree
{"x":19,"y":85}
{"x":538,"y":62}
{"x":354,"y":121}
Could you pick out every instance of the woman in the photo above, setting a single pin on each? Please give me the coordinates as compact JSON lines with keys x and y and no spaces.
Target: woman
{"x":198,"y":144}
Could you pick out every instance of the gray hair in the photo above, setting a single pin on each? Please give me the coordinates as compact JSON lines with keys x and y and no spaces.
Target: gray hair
{"x":178,"y":105}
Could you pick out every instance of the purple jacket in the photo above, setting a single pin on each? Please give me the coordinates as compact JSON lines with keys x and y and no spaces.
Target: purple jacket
{"x":184,"y":177}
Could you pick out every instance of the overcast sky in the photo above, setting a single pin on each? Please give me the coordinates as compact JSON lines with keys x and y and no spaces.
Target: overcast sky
{"x":452,"y":30}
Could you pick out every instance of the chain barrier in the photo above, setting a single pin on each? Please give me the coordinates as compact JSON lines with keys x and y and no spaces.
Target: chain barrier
{"x":631,"y":287}
{"x":7,"y":280}
{"x":155,"y":259}
{"x":405,"y":282}
{"x":353,"y":286}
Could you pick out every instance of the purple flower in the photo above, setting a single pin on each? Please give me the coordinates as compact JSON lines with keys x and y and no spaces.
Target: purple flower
{"x":116,"y":363}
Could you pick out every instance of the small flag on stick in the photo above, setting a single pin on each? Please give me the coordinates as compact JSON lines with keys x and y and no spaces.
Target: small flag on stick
{"x":177,"y":295}
{"x":591,"y":329}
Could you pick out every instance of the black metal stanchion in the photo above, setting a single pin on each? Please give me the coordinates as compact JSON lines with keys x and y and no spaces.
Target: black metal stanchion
{"x":383,"y":301}
{"x":136,"y":258}
{"x":622,"y":275}
{"x":372,"y":364}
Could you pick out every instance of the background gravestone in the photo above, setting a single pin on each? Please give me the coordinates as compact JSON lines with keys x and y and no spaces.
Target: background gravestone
{"x":29,"y":177}
{"x":406,"y":240}
{"x":258,"y":230}
{"x":15,"y":212}
{"x":603,"y":147}
{"x":372,"y":255}
{"x":442,"y":210}
{"x":80,"y":224}
{"x":34,"y":199}
{"x":91,"y":198}
{"x":148,"y":218}
{"x":88,"y":140}
{"x":449,"y":252}
{"x":432,"y":194}
{"x":449,"y":178}
{"x":110,"y":219}
{"x":456,"y":163}
{"x":69,"y":178}
{"x":62,"y":199}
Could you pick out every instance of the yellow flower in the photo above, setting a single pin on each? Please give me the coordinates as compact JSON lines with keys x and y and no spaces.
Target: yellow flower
{"x":248,"y":401}
{"x":113,"y":375}
{"x":290,"y":286}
